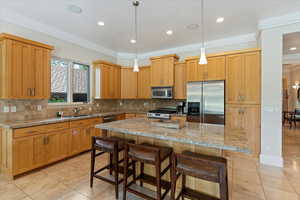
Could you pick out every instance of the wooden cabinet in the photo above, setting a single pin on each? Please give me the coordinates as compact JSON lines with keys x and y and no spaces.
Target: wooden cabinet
{"x":77,"y":136}
{"x":22,"y":160}
{"x":214,"y":70}
{"x":144,"y":83}
{"x":129,"y":115}
{"x":24,"y":68}
{"x":180,"y":81}
{"x":107,"y":80}
{"x":243,"y":78}
{"x":245,"y":120}
{"x":87,"y":138}
{"x":129,"y":80}
{"x":162,"y":70}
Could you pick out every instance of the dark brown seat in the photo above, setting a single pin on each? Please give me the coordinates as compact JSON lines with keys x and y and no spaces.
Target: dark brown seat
{"x":153,"y":155}
{"x":113,"y":146}
{"x":209,"y":168}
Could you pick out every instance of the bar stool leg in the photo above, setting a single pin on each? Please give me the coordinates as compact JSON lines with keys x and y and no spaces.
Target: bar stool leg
{"x":110,"y":163}
{"x":173,"y":177}
{"x":142,"y":172}
{"x":183,"y":184}
{"x":116,"y":166}
{"x":125,"y":172}
{"x":158,"y":181}
{"x":134,"y":171}
{"x":92,"y":167}
{"x":223,"y":187}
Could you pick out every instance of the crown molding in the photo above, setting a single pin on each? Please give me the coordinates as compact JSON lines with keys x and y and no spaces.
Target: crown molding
{"x":291,"y":59}
{"x":10,"y":16}
{"x":241,"y":39}
{"x":278,"y":21}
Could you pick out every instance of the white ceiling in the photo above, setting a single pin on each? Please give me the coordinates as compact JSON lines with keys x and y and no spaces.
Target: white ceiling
{"x":155,"y":17}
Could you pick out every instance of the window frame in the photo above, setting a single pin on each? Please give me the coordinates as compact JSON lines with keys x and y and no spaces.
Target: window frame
{"x":69,"y":81}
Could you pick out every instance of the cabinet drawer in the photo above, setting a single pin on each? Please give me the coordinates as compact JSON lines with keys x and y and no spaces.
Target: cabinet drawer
{"x":23,"y":132}
{"x":96,"y":121}
{"x":80,"y":123}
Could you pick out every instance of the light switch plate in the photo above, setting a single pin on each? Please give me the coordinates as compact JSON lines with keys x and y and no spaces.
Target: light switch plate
{"x":6,"y":109}
{"x":13,"y":108}
{"x":39,"y":107}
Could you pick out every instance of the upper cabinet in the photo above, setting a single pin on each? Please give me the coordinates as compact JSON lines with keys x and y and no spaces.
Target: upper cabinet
{"x":24,"y":68}
{"x":180,"y":80}
{"x":107,"y":80}
{"x":129,"y":80}
{"x":144,"y":83}
{"x":214,"y":70}
{"x":162,"y":70}
{"x":243,"y":78}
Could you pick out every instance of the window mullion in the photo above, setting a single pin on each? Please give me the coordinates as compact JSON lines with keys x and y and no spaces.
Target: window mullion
{"x":70,"y":88}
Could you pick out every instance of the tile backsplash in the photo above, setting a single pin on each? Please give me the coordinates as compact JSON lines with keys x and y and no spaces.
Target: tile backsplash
{"x":40,"y":109}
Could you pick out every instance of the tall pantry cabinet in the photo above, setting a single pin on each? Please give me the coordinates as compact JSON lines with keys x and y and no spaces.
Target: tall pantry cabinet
{"x":24,"y":68}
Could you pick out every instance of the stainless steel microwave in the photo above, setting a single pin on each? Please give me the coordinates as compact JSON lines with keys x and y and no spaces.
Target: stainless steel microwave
{"x":162,"y":92}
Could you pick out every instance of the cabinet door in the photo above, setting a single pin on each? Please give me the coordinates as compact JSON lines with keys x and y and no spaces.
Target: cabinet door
{"x":22,"y":155}
{"x":156,"y":70}
{"x":167,"y":73}
{"x":29,"y":79}
{"x":117,"y":82}
{"x":252,"y":78}
{"x":105,"y":81}
{"x":41,"y":73}
{"x":40,"y":150}
{"x":180,"y":81}
{"x":15,"y":84}
{"x":215,"y":68}
{"x":65,"y":143}
{"x":195,"y":72}
{"x":245,"y":119}
{"x":76,"y":141}
{"x":53,"y":147}
{"x":87,"y":137}
{"x":234,"y":78}
{"x":144,"y":83}
{"x":128,"y":83}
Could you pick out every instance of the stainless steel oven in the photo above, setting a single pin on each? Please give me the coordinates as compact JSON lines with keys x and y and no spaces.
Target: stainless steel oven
{"x":162,"y":92}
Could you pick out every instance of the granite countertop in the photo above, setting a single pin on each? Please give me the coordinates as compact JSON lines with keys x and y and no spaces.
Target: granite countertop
{"x":213,"y":136}
{"x":36,"y":122}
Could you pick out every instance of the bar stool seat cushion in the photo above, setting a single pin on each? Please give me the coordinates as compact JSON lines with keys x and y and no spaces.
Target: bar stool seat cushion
{"x":145,"y":154}
{"x":108,"y":142}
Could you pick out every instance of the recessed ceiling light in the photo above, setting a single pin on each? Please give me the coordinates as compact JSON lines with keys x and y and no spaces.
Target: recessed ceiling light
{"x":192,"y":26}
{"x":220,"y":19}
{"x":74,"y":9}
{"x":169,"y":32}
{"x":293,"y":48}
{"x":132,"y":41}
{"x":100,"y":23}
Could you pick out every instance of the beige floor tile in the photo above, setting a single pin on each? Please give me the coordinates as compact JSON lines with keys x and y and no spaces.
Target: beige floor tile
{"x":243,"y":196}
{"x":271,"y":171}
{"x":249,"y":189}
{"x":277,"y":183}
{"x":33,"y":183}
{"x":73,"y":196}
{"x":51,"y":192}
{"x":246,"y":176}
{"x":27,"y":198}
{"x":11,"y":192}
{"x":274,"y":194}
{"x":296,"y":186}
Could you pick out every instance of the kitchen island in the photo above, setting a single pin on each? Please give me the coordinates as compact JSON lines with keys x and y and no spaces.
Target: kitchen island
{"x":195,"y":137}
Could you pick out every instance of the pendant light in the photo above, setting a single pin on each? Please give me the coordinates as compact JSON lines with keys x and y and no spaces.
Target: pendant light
{"x":203,"y":60}
{"x":136,"y":61}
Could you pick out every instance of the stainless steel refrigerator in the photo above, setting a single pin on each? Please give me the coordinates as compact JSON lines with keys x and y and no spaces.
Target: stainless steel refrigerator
{"x":206,"y":102}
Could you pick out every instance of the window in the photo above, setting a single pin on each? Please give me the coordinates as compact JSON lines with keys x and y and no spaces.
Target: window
{"x":70,"y":81}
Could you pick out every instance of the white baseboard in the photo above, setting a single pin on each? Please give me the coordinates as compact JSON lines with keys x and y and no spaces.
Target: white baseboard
{"x":276,"y":161}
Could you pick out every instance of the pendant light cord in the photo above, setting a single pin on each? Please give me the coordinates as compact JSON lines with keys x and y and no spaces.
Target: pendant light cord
{"x":202,"y":22}
{"x":136,"y":4}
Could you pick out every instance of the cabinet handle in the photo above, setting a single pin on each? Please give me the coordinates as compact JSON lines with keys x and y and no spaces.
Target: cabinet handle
{"x":29,"y":91}
{"x":44,"y":140}
{"x":33,"y":91}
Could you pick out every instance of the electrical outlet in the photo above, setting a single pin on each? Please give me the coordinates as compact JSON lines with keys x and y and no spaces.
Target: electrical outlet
{"x":39,"y":107}
{"x":6,"y":109}
{"x":121,"y":103}
{"x":145,"y":104}
{"x":90,"y":108}
{"x":13,"y":108}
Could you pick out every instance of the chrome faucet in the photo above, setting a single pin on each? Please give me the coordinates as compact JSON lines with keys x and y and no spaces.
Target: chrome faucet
{"x":76,"y":110}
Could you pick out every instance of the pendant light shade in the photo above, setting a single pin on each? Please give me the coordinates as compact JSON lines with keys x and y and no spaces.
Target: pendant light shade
{"x":136,"y":65}
{"x":135,"y":3}
{"x":203,"y":60}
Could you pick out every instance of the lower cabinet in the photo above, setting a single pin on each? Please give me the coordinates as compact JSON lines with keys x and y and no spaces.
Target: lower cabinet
{"x":77,"y":135}
{"x":22,"y":161}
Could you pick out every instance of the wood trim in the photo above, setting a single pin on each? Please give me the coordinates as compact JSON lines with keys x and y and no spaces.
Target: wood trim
{"x":4,"y":36}
{"x":224,"y":53}
{"x":97,"y":62}
{"x":180,"y":62}
{"x":164,"y":56}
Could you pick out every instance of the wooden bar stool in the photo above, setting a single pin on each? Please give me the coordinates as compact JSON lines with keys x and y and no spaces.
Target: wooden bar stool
{"x":209,"y":168}
{"x":153,"y":155}
{"x":113,"y":146}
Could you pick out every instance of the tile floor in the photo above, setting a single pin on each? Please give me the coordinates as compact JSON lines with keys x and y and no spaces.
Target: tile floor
{"x":69,"y":180}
